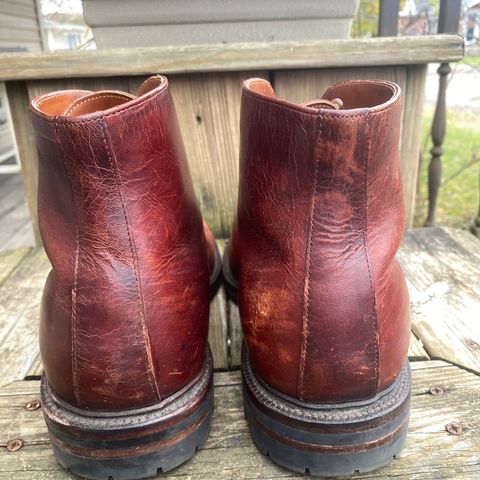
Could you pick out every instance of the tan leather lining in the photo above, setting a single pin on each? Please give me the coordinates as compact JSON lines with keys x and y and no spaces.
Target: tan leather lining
{"x":97,"y":102}
{"x":151,"y":83}
{"x":351,"y":95}
{"x":55,"y":103}
{"x":77,"y":103}
{"x":367,"y":94}
{"x":261,"y":86}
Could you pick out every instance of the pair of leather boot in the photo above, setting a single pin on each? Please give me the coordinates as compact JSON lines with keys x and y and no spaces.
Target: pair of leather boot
{"x":127,"y":389}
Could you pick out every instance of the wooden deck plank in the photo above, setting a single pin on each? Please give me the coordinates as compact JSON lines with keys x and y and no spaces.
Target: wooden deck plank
{"x":443,"y":274}
{"x":9,"y":261}
{"x":27,"y":151}
{"x":416,"y":351}
{"x":430,"y":453}
{"x":236,"y":334}
{"x":20,"y":297}
{"x":36,"y":368}
{"x":233,"y":57}
{"x":217,"y":331}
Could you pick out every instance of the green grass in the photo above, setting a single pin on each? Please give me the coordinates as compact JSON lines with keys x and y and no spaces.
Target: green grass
{"x":472,"y":61}
{"x":458,"y":199}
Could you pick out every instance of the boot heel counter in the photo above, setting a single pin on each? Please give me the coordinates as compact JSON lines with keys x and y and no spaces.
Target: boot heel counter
{"x":55,"y":338}
{"x":393,"y":310}
{"x":56,"y":214}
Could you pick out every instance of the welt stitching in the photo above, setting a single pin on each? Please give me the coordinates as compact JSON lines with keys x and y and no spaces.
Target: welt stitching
{"x":306,"y":289}
{"x":73,"y":309}
{"x":367,"y":257}
{"x":90,"y":98}
{"x":141,"y":306}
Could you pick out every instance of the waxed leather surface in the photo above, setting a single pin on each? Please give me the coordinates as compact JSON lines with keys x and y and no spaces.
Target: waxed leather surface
{"x":124,"y":315}
{"x":324,"y":305}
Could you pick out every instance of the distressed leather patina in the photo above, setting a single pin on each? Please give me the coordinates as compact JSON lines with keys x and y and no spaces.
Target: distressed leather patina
{"x":323,"y":302}
{"x":124,"y":316}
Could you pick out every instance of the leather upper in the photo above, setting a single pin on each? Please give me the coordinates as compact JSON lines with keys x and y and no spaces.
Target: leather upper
{"x":324,"y":304}
{"x":124,"y":315}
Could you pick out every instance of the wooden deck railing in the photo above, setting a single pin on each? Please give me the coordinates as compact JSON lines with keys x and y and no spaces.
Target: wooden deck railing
{"x":448,"y":22}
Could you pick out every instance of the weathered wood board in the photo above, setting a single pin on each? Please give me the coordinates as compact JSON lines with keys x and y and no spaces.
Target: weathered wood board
{"x":20,"y":296}
{"x":9,"y":260}
{"x":443,"y":272}
{"x":234,"y":57}
{"x":430,"y":452}
{"x":16,"y":231}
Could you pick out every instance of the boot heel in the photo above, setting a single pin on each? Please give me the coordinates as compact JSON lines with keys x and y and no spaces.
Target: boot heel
{"x":130,"y":444}
{"x":327,"y":440}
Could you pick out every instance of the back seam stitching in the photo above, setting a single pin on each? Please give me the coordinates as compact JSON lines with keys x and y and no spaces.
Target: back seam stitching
{"x":367,"y":259}
{"x":140,"y":306}
{"x":306,"y":289}
{"x":73,"y":309}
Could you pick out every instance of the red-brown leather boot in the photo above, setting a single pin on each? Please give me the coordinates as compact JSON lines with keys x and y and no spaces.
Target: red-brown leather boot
{"x":127,"y":388}
{"x":323,"y":303}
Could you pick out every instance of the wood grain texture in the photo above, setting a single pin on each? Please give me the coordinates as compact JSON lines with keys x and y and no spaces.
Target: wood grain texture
{"x":27,"y":152}
{"x":36,"y":369}
{"x":305,"y":85}
{"x":218,"y":326}
{"x":208,"y":109}
{"x":416,"y":350}
{"x":20,"y":297}
{"x":413,"y":101}
{"x":236,"y":335}
{"x":443,"y":274}
{"x":430,"y":453}
{"x":17,"y":230}
{"x":9,"y":261}
{"x":233,"y":57}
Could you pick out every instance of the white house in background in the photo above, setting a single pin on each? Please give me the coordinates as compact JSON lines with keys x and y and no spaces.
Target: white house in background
{"x":33,"y":26}
{"x":63,"y":25}
{"x":472,"y":22}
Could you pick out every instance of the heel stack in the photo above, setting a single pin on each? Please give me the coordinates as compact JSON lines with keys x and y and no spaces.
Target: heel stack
{"x":327,"y":440}
{"x":131,"y":444}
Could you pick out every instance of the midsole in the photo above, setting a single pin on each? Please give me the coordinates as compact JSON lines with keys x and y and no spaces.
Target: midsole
{"x":131,"y":432}
{"x":144,"y":445}
{"x":335,"y":435}
{"x":333,"y":428}
{"x":364,"y":411}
